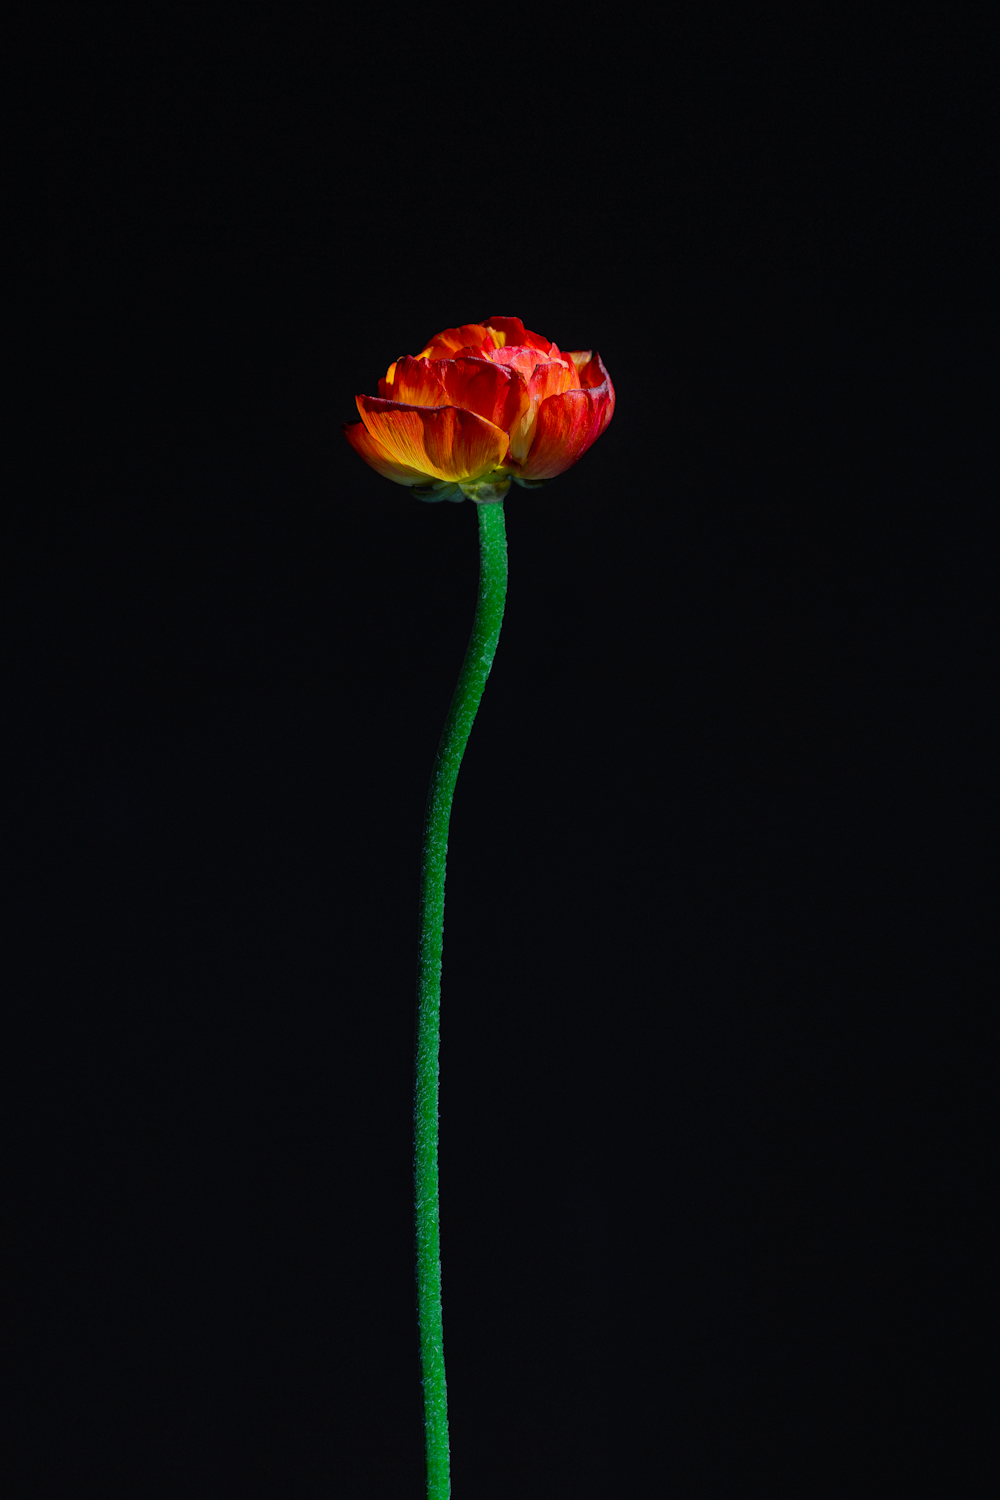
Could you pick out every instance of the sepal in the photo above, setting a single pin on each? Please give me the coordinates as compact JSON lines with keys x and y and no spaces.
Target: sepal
{"x":487,"y":491}
{"x":433,"y":492}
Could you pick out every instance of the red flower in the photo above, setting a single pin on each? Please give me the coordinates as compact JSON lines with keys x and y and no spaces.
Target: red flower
{"x":481,"y":405}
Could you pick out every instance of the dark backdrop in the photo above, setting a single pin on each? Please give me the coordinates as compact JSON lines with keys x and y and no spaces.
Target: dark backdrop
{"x":675,"y":1179}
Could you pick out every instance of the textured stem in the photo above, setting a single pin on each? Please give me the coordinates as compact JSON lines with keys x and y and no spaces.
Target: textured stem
{"x":471,"y":682}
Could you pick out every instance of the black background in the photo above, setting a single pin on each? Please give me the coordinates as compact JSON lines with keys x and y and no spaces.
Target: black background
{"x":680,"y":1163}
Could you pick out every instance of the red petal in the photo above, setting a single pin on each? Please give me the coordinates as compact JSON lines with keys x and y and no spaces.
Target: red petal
{"x":443,"y":345}
{"x":446,"y":442}
{"x":474,"y":351}
{"x":514,"y":332}
{"x":546,"y":378}
{"x":539,"y":341}
{"x":562,"y":435}
{"x":595,"y":379}
{"x":417,"y":383}
{"x":490,"y":390}
{"x":373,"y":453}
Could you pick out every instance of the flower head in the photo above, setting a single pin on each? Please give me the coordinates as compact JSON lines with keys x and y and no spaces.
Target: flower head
{"x":479,"y":406}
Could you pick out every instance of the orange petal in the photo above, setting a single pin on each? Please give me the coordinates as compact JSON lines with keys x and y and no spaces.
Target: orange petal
{"x":580,"y":357}
{"x":417,"y":383}
{"x":373,"y":453}
{"x":490,"y":390}
{"x":446,"y":442}
{"x":562,"y":434}
{"x":442,"y":345}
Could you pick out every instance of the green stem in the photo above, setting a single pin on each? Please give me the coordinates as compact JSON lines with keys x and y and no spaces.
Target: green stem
{"x":471,"y":682}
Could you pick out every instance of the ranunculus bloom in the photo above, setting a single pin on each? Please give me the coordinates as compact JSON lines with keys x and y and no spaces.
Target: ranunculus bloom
{"x":481,"y":405}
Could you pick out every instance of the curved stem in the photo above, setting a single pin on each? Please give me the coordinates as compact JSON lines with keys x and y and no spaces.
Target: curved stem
{"x":471,"y":682}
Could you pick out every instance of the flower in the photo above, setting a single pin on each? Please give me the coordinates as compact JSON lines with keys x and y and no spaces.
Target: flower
{"x":479,"y":406}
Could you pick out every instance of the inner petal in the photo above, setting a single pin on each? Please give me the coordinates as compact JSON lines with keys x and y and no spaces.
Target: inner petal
{"x":507,"y":331}
{"x":417,"y":383}
{"x":551,"y":379}
{"x":444,"y":345}
{"x":548,"y":378}
{"x":385,"y":383}
{"x":499,"y":394}
{"x":518,"y":356}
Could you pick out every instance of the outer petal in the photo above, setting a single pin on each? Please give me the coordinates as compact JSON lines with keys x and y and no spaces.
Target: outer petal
{"x":381,"y":461}
{"x":492,"y":391}
{"x":562,"y":434}
{"x":444,"y":442}
{"x":595,"y":378}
